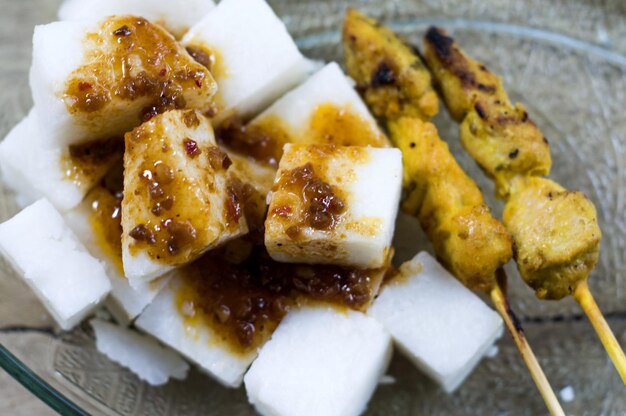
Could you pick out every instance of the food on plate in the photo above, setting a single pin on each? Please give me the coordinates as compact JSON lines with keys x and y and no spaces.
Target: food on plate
{"x":555,"y":231}
{"x":61,"y":174}
{"x":179,"y":199}
{"x":557,"y":240}
{"x":471,"y":243}
{"x":413,"y":305}
{"x":498,"y":134}
{"x":334,"y":205}
{"x":388,"y":73}
{"x":320,"y":361}
{"x":139,"y":353}
{"x":450,"y":207}
{"x":324,"y":109}
{"x":95,"y":79}
{"x":176,"y":17}
{"x":198,"y":343}
{"x":250,"y":54}
{"x":97,"y":224}
{"x":215,"y":195}
{"x":50,"y":259}
{"x":219,"y":310}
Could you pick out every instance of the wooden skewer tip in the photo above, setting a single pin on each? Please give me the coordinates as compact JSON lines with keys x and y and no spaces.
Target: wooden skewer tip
{"x":584,"y":297}
{"x":517,"y":332}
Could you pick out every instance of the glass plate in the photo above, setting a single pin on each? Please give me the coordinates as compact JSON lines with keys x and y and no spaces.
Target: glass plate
{"x":565,"y":60}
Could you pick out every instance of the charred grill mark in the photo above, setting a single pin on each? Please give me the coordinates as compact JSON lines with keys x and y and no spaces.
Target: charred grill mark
{"x":455,"y":61}
{"x":441,"y":42}
{"x":466,"y":77}
{"x":487,"y":88}
{"x":506,"y":119}
{"x":480,"y":111}
{"x":516,"y":322}
{"x":383,"y":75}
{"x":525,"y":117}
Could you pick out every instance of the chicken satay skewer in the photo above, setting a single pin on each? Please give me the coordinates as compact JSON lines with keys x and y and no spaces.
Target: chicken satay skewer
{"x":555,"y":231}
{"x":467,"y":239}
{"x":397,"y":88}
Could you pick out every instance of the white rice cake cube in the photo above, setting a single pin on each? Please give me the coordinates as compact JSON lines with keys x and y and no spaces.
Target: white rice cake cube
{"x":256,"y":60}
{"x":327,"y":95}
{"x":178,"y":201}
{"x":124,"y":302}
{"x":319,"y":361}
{"x":196,"y":341}
{"x":439,"y":324}
{"x":99,"y":79}
{"x":176,"y":16}
{"x":34,"y":171}
{"x":48,"y":256}
{"x":306,"y":223}
{"x":139,"y":353}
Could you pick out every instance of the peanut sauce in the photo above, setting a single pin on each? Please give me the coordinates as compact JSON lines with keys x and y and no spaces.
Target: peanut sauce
{"x":105,"y":203}
{"x":84,"y":164}
{"x":263,"y":139}
{"x":322,"y":206}
{"x":178,"y":223}
{"x":129,"y":58}
{"x":240,"y":292}
{"x":212,"y":60}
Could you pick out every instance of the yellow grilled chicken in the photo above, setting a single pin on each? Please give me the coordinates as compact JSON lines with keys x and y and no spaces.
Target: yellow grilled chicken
{"x":468,"y":240}
{"x":391,"y":77}
{"x":500,"y":136}
{"x":555,"y":232}
{"x":396,"y":87}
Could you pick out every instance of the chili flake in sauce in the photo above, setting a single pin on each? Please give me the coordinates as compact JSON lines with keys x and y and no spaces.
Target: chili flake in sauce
{"x":129,"y":58}
{"x":322,"y":205}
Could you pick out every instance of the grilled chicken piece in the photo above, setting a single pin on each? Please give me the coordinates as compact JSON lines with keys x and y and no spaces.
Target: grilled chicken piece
{"x":556,"y":235}
{"x":460,"y":79}
{"x":497,"y":134}
{"x":450,"y":207}
{"x":396,"y":86}
{"x":390,"y":76}
{"x":555,"y":232}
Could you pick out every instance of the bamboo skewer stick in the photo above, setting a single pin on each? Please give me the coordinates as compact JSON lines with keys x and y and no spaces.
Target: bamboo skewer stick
{"x":584,"y":297}
{"x":501,"y":303}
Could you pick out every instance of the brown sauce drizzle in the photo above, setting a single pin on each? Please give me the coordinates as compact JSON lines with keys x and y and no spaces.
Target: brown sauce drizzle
{"x":178,"y":224}
{"x":212,"y":60}
{"x":105,"y":202}
{"x":322,"y":205}
{"x":240,"y":292}
{"x":329,"y":124}
{"x":237,"y":290}
{"x":85,"y":163}
{"x":131,"y":58}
